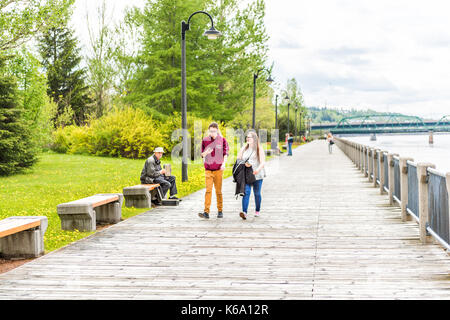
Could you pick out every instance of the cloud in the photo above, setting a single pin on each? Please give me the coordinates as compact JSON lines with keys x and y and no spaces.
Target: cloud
{"x":316,"y":81}
{"x":364,"y":53}
{"x":346,"y":55}
{"x":287,"y":44}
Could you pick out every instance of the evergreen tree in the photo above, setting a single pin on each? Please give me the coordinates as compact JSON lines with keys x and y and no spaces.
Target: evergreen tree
{"x":219,"y":72}
{"x":17,"y":150}
{"x":66,"y":79}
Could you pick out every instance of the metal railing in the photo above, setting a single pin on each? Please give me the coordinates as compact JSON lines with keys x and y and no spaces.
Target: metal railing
{"x":419,"y":189}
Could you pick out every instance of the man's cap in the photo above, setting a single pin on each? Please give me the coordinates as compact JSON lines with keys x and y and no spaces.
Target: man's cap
{"x":159,"y":149}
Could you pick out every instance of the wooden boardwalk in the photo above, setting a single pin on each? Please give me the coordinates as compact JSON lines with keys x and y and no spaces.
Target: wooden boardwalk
{"x":324,"y":233}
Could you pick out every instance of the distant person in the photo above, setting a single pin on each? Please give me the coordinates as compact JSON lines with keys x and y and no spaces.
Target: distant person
{"x":290,"y":142}
{"x":152,"y":173}
{"x":330,"y":141}
{"x":215,"y":153}
{"x":254,"y":155}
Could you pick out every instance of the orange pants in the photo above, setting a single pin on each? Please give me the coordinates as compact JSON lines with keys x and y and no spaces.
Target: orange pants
{"x":213,"y":178}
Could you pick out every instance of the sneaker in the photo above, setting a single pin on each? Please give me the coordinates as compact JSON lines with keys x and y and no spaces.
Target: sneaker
{"x":204,"y":215}
{"x":256,"y":213}
{"x":220,"y":214}
{"x":243,"y":215}
{"x":173,"y":198}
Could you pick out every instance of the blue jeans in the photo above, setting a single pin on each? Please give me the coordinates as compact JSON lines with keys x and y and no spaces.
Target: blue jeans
{"x":256,"y":192}
{"x":290,"y":149}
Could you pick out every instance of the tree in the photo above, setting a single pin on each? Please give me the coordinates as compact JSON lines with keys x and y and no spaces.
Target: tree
{"x":219,"y":72}
{"x":20,"y":20}
{"x":17,"y":150}
{"x":38,"y":110}
{"x":66,"y":79}
{"x":101,"y":73}
{"x":125,"y":50}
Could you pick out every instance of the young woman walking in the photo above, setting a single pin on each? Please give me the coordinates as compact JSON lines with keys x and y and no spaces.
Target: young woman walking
{"x":330,"y":142}
{"x":254,"y":155}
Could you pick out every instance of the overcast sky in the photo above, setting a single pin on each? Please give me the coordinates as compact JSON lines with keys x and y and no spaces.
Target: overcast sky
{"x":385,"y":55}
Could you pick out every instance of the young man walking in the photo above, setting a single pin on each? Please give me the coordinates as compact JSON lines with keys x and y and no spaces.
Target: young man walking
{"x":214,"y":153}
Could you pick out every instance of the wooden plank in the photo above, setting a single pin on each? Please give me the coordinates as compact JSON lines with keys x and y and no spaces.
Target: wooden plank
{"x":105,"y":201}
{"x":151,"y":186}
{"x":18,"y":225}
{"x":95,"y":201}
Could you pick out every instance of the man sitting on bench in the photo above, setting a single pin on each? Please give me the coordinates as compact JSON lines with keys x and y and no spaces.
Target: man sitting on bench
{"x":153,"y":173}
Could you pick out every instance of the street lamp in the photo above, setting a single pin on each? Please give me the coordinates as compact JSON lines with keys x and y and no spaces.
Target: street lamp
{"x":300,"y":129}
{"x":274,"y":144}
{"x":212,"y":34}
{"x":295,"y":122}
{"x":255,"y":76}
{"x":286,"y":98}
{"x":276,"y":111}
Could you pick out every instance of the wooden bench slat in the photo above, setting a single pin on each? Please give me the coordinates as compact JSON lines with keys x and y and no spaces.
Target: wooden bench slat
{"x":11,"y":228}
{"x":101,"y":202}
{"x":9,"y":222}
{"x":95,"y":201}
{"x":151,"y":186}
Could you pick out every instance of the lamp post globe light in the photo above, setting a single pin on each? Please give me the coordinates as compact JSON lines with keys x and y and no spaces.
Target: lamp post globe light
{"x":212,"y":34}
{"x":255,"y":76}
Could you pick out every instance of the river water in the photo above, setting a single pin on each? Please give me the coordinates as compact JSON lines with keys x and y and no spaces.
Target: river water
{"x":415,"y":146}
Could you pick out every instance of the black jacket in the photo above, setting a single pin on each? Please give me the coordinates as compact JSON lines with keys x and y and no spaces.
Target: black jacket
{"x":242,"y":175}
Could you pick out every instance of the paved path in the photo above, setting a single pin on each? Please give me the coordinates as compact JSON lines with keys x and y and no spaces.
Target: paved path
{"x":324,"y":232}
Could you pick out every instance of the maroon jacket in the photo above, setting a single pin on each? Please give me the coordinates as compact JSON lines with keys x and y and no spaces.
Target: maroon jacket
{"x":214,"y":160}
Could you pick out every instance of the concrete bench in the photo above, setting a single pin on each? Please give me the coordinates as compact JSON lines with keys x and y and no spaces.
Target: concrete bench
{"x":84,"y":214}
{"x":141,"y":195}
{"x":22,"y":236}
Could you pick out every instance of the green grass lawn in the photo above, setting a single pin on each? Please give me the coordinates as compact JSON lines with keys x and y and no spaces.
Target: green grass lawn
{"x":59,"y":178}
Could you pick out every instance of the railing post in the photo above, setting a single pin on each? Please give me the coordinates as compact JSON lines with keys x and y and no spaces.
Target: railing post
{"x":422,"y":177}
{"x":391,"y":177}
{"x":362,"y":157}
{"x":370,"y":157}
{"x":375,"y":166}
{"x":447,"y":181}
{"x":404,"y":187}
{"x":358,"y":155}
{"x":382,"y":172}
{"x":366,"y":167}
{"x":351,"y":152}
{"x":390,"y":158}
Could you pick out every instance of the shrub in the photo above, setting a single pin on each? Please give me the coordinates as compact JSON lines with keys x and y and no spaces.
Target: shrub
{"x":128,"y":133}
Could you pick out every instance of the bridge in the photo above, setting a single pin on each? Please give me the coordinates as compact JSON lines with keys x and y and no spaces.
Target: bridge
{"x":385,"y":123}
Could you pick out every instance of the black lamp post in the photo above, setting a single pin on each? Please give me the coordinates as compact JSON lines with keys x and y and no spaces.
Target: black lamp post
{"x":286,"y":98}
{"x":295,"y":123}
{"x":274,"y":144}
{"x":276,"y":111}
{"x":212,"y":34}
{"x":300,"y":129}
{"x":255,"y":76}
